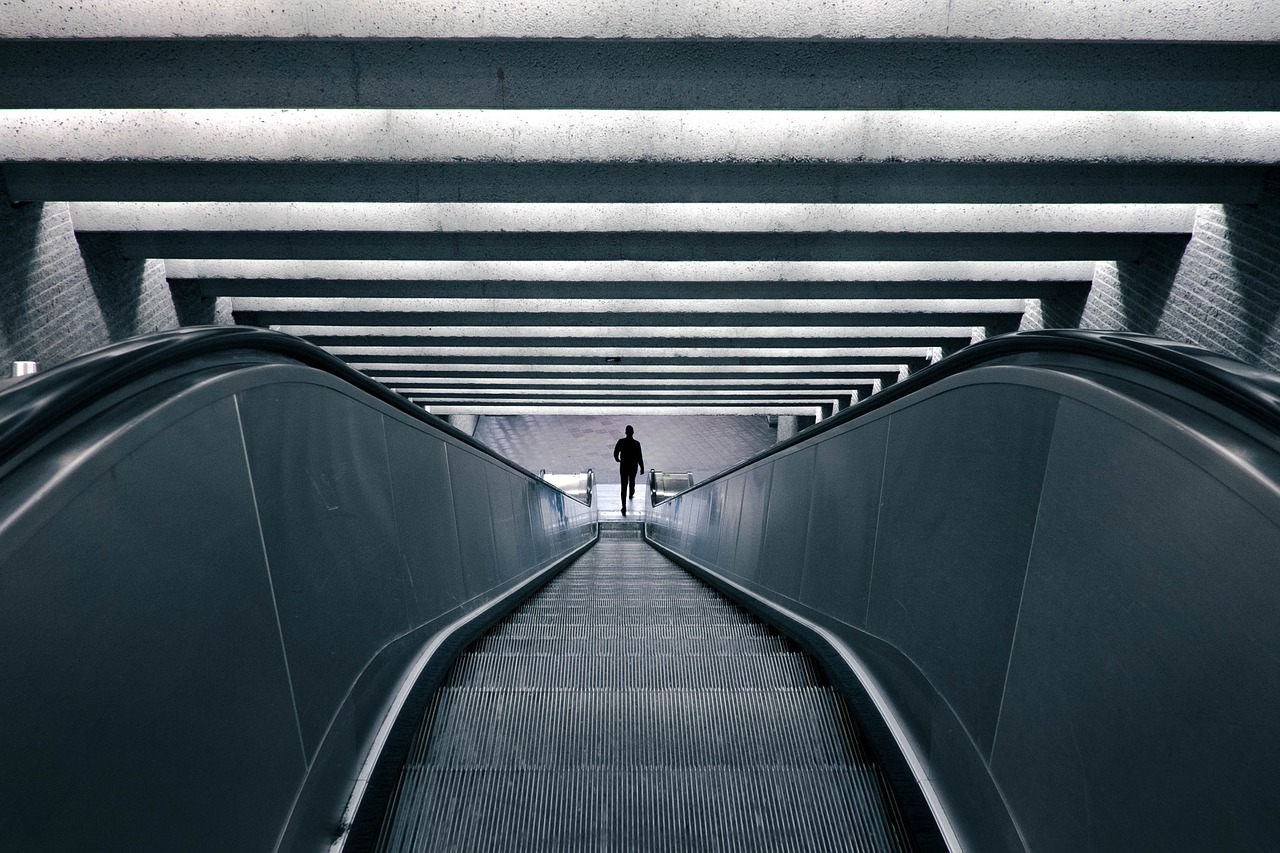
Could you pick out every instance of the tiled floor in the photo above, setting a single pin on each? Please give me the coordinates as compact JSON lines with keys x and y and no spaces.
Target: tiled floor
{"x":609,"y":501}
{"x":703,"y":445}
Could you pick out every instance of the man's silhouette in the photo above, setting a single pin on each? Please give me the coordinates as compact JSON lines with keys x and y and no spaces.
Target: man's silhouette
{"x":630,"y":459}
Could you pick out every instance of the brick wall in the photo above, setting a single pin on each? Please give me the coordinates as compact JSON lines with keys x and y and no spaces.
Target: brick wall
{"x":61,"y":296}
{"x":1220,"y":291}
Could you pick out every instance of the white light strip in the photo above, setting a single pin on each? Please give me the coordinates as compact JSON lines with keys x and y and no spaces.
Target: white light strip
{"x":683,"y":402}
{"x":601,"y":393}
{"x":629,"y":353}
{"x":1082,"y":20}
{"x":632,"y":136}
{"x":519,"y":383}
{"x":633,"y":271}
{"x":636,"y":407}
{"x":638,"y":333}
{"x":584,"y":218}
{"x":672,"y":369}
{"x":625,"y":306}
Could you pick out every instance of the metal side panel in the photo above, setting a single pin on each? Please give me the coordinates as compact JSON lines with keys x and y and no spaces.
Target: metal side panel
{"x":468,"y":477}
{"x":142,"y":662}
{"x":790,"y":494}
{"x":207,"y":591}
{"x":324,"y":497}
{"x":1070,"y":605}
{"x":841,"y":529}
{"x":425,"y":520}
{"x":958,"y":509}
{"x":1145,"y":661}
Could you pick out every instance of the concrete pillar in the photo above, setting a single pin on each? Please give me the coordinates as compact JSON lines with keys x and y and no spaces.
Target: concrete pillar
{"x":787,"y":426}
{"x":466,"y":423}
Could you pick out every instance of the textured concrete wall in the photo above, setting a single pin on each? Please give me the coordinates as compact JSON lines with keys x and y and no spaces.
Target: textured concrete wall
{"x":60,"y":297}
{"x":1220,"y":290}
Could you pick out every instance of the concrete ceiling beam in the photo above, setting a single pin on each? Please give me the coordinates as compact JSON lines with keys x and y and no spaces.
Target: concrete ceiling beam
{"x":439,"y":310}
{"x":631,"y":351}
{"x":468,"y":272}
{"x":640,"y":232}
{"x":782,"y":182}
{"x":631,"y":136}
{"x":639,"y":74}
{"x":710,"y":392}
{"x":1180,"y":20}
{"x":851,"y":369}
{"x":633,"y":354}
{"x":695,"y":408}
{"x":508,"y":395}
{"x":643,"y":330}
{"x":654,"y":246}
{"x":830,"y":403}
{"x":493,"y":384}
{"x":355,"y":276}
{"x":723,"y":291}
{"x":545,"y":220}
{"x":825,"y":406}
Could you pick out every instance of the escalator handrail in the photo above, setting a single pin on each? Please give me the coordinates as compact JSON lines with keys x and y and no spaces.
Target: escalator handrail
{"x":34,"y":405}
{"x":1248,"y":390}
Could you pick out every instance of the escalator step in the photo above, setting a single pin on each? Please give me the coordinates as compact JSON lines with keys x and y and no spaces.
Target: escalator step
{"x":628,"y":706}
{"x":607,"y":809}
{"x":582,"y":669}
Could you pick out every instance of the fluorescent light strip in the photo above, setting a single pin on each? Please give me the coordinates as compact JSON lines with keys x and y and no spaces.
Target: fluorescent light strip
{"x":521,"y":383}
{"x":631,"y":136}
{"x":624,"y":306}
{"x":646,"y":408}
{"x":919,"y":353}
{"x":601,"y":393}
{"x":637,"y":271}
{"x":688,"y":217}
{"x":637,"y":333}
{"x":1085,"y":20}
{"x":637,"y":351}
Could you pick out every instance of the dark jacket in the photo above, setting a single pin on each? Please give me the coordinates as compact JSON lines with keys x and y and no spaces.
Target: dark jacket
{"x":627,"y":451}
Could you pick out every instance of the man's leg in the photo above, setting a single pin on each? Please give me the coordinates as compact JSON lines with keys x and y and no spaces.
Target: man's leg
{"x":622,"y":475}
{"x":631,"y":481}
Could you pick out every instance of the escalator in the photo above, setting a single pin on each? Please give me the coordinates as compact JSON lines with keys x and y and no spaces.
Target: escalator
{"x":629,"y":706}
{"x":1025,"y":599}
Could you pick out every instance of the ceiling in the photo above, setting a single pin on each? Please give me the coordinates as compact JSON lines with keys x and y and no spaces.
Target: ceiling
{"x":688,"y":207}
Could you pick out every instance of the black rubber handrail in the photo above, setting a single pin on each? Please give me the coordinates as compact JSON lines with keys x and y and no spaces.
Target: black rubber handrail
{"x":36,"y":404}
{"x":1249,"y":390}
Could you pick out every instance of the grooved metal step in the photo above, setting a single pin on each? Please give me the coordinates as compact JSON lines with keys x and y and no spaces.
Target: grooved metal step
{"x":613,"y":529}
{"x":628,"y":706}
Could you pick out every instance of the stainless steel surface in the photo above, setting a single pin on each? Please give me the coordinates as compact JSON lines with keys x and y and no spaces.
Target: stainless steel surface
{"x":628,"y":706}
{"x":233,"y":570}
{"x":1049,"y":567}
{"x":577,"y":485}
{"x":664,"y":484}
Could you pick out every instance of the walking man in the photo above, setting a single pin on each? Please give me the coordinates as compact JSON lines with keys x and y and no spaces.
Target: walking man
{"x":630,"y":459}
